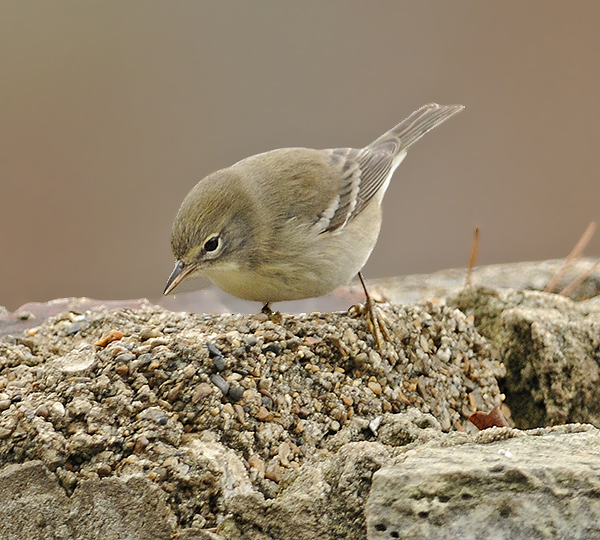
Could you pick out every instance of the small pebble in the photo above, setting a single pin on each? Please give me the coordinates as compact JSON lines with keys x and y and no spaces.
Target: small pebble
{"x":236,"y":393}
{"x":202,"y":390}
{"x":219,"y":363}
{"x":267,"y":402}
{"x":304,"y":412}
{"x":125,"y":357}
{"x":148,"y":333}
{"x":272,"y":347}
{"x":42,"y":411}
{"x":284,"y":452}
{"x":212,"y":349}
{"x":273,"y":472}
{"x":264,"y":415}
{"x":58,"y":409}
{"x":104,"y":469}
{"x":256,"y":463}
{"x":153,"y":343}
{"x":140,"y":444}
{"x":239,"y":411}
{"x":165,"y":404}
{"x":175,"y":391}
{"x":109,"y":337}
{"x":374,"y":425}
{"x":228,"y":409}
{"x":189,"y":371}
{"x":375,"y":387}
{"x":75,"y":327}
{"x":159,"y":474}
{"x":220,"y":383}
{"x":122,"y":369}
{"x":444,"y":354}
{"x":169,"y":487}
{"x":144,"y":359}
{"x":265,"y":384}
{"x":199,"y":522}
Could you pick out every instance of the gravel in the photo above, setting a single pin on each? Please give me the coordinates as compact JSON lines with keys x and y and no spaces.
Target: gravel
{"x":102,"y":393}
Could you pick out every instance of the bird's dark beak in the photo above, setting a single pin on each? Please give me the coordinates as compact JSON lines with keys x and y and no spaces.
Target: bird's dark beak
{"x":176,"y":277}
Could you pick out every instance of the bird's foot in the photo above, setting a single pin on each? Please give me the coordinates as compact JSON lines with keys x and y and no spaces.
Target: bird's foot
{"x":274,"y":316}
{"x":375,"y":319}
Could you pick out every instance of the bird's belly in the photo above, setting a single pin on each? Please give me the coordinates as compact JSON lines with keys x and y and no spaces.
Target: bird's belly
{"x":271,"y":285}
{"x":308,"y":267}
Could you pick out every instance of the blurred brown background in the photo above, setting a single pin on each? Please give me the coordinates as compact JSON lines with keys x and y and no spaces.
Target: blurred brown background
{"x":111,"y":111}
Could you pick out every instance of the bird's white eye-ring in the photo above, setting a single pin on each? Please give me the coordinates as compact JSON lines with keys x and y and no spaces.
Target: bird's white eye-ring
{"x":212,"y":243}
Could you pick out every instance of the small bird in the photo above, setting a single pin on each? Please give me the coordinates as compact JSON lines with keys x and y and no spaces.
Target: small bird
{"x":291,"y":223}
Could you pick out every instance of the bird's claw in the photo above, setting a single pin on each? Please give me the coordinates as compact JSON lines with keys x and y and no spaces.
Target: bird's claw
{"x":375,"y":323}
{"x":274,"y":316}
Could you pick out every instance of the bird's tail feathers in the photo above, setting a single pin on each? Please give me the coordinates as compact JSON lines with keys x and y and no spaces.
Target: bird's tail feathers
{"x":411,"y":129}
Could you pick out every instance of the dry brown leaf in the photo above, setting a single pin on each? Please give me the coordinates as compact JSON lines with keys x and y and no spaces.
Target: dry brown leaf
{"x":494,"y":418}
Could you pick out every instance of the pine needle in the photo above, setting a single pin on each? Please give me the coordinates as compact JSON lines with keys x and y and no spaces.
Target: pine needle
{"x":579,"y":247}
{"x":578,"y":281}
{"x":473,"y":258}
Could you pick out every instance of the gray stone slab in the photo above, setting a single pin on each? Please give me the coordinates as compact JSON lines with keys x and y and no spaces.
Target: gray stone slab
{"x":528,"y":487}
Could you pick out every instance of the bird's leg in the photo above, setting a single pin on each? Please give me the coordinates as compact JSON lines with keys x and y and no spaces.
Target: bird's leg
{"x":274,"y":316}
{"x":374,"y":322}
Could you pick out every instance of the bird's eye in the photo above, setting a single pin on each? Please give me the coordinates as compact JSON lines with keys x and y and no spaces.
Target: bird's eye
{"x":211,"y":244}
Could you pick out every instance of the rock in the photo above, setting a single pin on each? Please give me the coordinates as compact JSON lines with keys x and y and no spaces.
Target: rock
{"x":34,"y":505}
{"x":520,"y":276}
{"x":304,"y":423}
{"x":541,"y":485}
{"x":325,"y":501}
{"x":77,"y":362}
{"x":550,"y":346}
{"x":190,"y":431}
{"x":115,"y":508}
{"x":223,"y":463}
